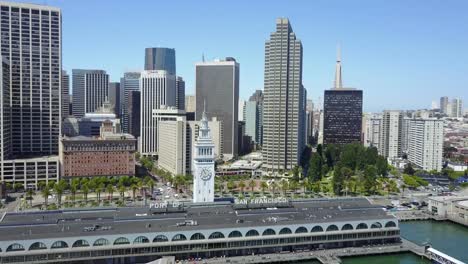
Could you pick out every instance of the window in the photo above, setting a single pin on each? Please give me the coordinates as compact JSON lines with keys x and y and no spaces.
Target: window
{"x":101,"y":242}
{"x":235,"y":234}
{"x":332,"y":228}
{"x":37,"y":246}
{"x":317,"y":229}
{"x":252,"y":233}
{"x":301,"y":230}
{"x":160,"y":238}
{"x":285,"y":231}
{"x":216,"y":235}
{"x":15,"y":247}
{"x":179,"y":237}
{"x":81,"y":243}
{"x":390,"y":224}
{"x":141,"y":240}
{"x":347,"y":227}
{"x":121,"y":241}
{"x":362,"y":226}
{"x":269,"y":232}
{"x":376,"y":225}
{"x":197,"y":236}
{"x":59,"y":244}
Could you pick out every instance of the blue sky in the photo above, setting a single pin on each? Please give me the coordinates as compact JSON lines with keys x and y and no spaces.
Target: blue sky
{"x":403,"y":54}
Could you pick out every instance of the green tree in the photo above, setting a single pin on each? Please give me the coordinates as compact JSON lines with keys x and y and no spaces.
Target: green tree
{"x":59,"y":188}
{"x":134,"y":188}
{"x":110,"y":190}
{"x":45,"y":193}
{"x":241,"y":186}
{"x":273,"y":187}
{"x":338,"y":178}
{"x":85,"y":191}
{"x":315,"y":167}
{"x":263,"y":186}
{"x":370,"y":178}
{"x":122,"y":190}
{"x":73,"y":190}
{"x":231,"y":185}
{"x":296,"y":171}
{"x":29,"y":196}
{"x":284,"y":186}
{"x":252,"y":185}
{"x":382,"y":166}
{"x":409,"y":169}
{"x":18,"y":186}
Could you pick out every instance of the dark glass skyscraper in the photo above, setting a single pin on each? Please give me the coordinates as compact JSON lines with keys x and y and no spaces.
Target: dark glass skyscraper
{"x":217,"y":85}
{"x":342,"y":121}
{"x":160,"y":59}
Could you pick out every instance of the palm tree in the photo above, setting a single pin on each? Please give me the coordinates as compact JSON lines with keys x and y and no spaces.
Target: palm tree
{"x":150,"y":184}
{"x":134,"y":188}
{"x":231,"y":185}
{"x":122,"y":190}
{"x":273,"y":187}
{"x":264,"y":186}
{"x":110,"y":190}
{"x":73,"y":189}
{"x":29,"y":195}
{"x":45,"y":192}
{"x":252,"y":185}
{"x":99,"y":189}
{"x":284,"y":186}
{"x":241,"y":186}
{"x":85,"y":190}
{"x":59,"y":188}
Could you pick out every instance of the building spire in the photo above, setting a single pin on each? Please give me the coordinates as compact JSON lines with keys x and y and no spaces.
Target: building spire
{"x":338,"y":81}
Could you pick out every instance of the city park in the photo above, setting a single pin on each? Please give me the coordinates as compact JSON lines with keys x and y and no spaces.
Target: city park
{"x":350,"y":170}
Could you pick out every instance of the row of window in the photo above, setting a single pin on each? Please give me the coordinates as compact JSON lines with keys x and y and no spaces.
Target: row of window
{"x":196,"y":236}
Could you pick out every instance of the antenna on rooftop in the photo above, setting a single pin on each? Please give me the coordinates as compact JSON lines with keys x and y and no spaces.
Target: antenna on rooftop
{"x":203,"y":57}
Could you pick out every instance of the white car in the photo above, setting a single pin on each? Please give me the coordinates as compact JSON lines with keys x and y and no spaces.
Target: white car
{"x":167,"y":196}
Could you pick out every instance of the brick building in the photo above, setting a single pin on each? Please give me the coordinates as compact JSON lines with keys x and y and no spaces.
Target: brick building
{"x":111,"y":154}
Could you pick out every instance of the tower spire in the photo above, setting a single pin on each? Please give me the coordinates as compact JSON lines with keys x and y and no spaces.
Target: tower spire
{"x":338,"y":81}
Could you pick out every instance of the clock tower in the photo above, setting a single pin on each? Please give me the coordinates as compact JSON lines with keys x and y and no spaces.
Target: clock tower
{"x":203,"y":164}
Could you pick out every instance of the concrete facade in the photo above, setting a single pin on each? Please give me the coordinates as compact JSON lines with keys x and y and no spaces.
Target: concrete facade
{"x":425,"y":143}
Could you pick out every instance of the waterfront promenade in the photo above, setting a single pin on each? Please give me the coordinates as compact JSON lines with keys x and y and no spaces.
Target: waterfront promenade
{"x":329,"y":256}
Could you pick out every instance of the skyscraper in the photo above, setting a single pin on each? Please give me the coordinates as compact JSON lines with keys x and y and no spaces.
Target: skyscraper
{"x":114,"y":97}
{"x":217,"y":84}
{"x":133,"y":112}
{"x":284,"y":103}
{"x":31,"y":47}
{"x":158,"y":88}
{"x":180,"y":93}
{"x":65,"y":94}
{"x":457,"y":108}
{"x":254,"y":117}
{"x":128,"y":83}
{"x":90,"y":90}
{"x":160,"y":59}
{"x":390,"y":144}
{"x":444,"y":102}
{"x":342,"y":121}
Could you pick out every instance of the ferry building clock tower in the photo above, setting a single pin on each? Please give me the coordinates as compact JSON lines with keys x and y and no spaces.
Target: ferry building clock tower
{"x":203,"y":164}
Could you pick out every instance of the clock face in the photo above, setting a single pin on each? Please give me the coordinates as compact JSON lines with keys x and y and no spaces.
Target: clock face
{"x":205,"y":173}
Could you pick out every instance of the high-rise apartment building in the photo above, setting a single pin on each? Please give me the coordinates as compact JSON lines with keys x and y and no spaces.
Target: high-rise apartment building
{"x":160,"y":59}
{"x":373,"y":128}
{"x":444,"y":102}
{"x":391,"y":134}
{"x":114,"y":97}
{"x":425,"y":143}
{"x":128,"y":83}
{"x":342,"y":109}
{"x":284,"y":102}
{"x":180,"y":93}
{"x":457,"y":108}
{"x":31,"y":49}
{"x":217,"y":84}
{"x":158,"y":88}
{"x":65,"y":95}
{"x":90,"y":90}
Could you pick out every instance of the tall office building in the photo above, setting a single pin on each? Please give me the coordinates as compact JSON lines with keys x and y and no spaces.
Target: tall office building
{"x":391,"y":133}
{"x":190,"y":104}
{"x":160,"y":59}
{"x":342,"y":121}
{"x":128,"y":83}
{"x":425,"y":143}
{"x":133,"y":113}
{"x":457,"y":108}
{"x":444,"y":102}
{"x":180,"y":93}
{"x":253,"y":117}
{"x":90,"y":90}
{"x":158,"y":88}
{"x":114,"y":97}
{"x":65,"y":95}
{"x":217,"y":84}
{"x":284,"y":103}
{"x":31,"y":49}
